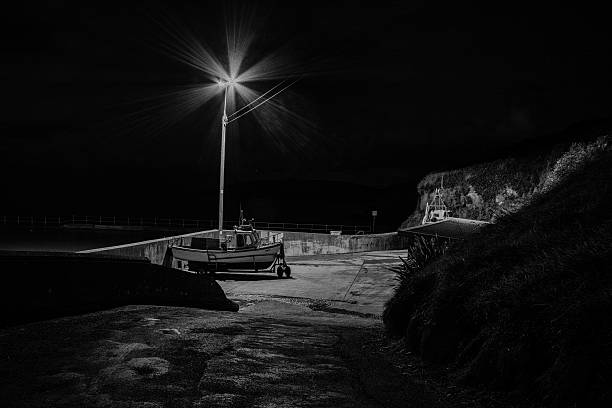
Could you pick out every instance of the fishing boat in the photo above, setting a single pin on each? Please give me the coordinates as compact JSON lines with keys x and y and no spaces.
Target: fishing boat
{"x":436,"y":211}
{"x":240,"y":250}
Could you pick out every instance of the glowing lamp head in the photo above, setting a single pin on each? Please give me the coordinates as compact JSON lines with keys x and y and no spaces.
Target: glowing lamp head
{"x":227,"y":82}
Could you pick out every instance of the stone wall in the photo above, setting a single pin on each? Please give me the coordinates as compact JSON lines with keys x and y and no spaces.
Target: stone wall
{"x":156,"y":250}
{"x":305,"y":243}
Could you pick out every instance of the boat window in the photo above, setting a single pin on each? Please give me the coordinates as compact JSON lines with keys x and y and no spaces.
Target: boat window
{"x":248,"y":240}
{"x":239,"y":240}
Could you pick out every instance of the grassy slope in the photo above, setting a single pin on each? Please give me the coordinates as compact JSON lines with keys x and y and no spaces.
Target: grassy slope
{"x":525,"y":306}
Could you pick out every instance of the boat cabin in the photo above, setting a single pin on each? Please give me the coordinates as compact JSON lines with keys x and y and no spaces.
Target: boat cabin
{"x":237,"y":239}
{"x":241,"y":239}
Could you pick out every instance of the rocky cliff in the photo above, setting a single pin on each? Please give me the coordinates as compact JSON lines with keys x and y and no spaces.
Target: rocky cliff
{"x":490,"y":190}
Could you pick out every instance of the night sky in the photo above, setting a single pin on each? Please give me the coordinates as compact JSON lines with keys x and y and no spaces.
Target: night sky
{"x":389,"y":93}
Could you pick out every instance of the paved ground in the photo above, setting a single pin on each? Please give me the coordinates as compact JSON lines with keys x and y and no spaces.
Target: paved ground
{"x":308,"y":341}
{"x":360,"y":283}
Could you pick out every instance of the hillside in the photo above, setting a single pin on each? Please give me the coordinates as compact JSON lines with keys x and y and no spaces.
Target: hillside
{"x":525,"y":306}
{"x":490,"y":190}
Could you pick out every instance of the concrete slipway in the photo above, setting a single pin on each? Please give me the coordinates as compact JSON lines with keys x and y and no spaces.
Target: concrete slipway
{"x":312,"y":340}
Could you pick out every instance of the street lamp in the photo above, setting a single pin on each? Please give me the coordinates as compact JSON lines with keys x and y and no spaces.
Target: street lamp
{"x":254,"y":104}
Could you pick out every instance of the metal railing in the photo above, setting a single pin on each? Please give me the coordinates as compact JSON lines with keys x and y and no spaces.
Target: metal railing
{"x":321,"y":228}
{"x":164,"y":222}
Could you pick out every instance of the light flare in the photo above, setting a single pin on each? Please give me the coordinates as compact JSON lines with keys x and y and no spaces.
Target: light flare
{"x":284,"y":127}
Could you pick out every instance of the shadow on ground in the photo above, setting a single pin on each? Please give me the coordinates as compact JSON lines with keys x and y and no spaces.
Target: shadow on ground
{"x":240,"y":277}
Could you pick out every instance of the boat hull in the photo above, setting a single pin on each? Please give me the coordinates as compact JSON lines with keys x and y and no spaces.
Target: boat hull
{"x":241,"y":259}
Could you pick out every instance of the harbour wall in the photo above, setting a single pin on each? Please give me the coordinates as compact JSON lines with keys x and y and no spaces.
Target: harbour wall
{"x":306,"y":243}
{"x":156,"y":250}
{"x":296,"y":244}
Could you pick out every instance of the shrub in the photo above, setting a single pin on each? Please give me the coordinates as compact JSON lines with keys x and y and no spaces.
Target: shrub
{"x":422,"y":251}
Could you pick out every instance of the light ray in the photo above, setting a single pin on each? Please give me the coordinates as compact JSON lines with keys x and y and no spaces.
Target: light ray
{"x":184,"y":47}
{"x":266,"y":100}
{"x":157,"y":113}
{"x":240,"y":89}
{"x":271,"y":67}
{"x":239,"y":35}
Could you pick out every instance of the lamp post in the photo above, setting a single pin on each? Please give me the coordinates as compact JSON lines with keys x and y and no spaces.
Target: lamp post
{"x":374,"y":214}
{"x":222,"y":165}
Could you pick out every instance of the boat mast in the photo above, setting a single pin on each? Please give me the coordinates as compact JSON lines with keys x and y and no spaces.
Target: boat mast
{"x":437,"y":210}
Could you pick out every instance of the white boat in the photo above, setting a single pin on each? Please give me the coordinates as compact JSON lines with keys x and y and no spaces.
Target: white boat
{"x":436,"y":211}
{"x":241,"y":250}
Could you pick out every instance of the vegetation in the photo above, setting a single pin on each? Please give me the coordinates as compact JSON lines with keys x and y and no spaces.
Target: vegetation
{"x":491,"y":190}
{"x":422,"y":251}
{"x":525,"y":306}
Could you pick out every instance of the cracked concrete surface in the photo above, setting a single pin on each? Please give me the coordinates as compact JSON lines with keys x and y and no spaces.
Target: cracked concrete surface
{"x":283,"y":349}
